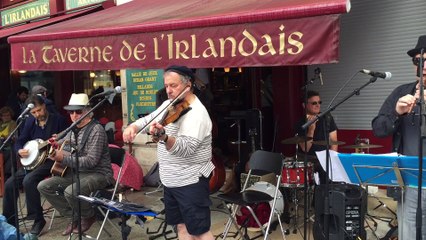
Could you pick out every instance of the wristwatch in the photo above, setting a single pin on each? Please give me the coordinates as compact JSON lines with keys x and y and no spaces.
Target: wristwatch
{"x":165,"y":140}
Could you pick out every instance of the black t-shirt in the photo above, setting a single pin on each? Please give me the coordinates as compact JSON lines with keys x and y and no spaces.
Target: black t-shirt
{"x":319,"y":132}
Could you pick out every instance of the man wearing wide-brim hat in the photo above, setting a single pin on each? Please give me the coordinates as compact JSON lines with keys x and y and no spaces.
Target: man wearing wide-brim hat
{"x":399,"y":117}
{"x":94,"y":165}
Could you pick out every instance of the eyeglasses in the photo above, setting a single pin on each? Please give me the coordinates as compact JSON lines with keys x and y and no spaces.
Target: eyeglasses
{"x":315,"y":103}
{"x":416,"y":61}
{"x":75,"y":111}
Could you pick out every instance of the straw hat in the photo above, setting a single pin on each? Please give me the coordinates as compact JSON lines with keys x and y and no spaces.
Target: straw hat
{"x":77,"y":101}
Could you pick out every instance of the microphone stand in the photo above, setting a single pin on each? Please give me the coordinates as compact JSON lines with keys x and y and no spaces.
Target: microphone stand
{"x":305,"y":159}
{"x":12,"y":169}
{"x":73,"y":127}
{"x":310,"y":122}
{"x":305,"y":163}
{"x":422,"y":136}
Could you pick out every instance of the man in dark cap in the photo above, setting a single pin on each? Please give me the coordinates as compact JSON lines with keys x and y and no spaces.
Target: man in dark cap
{"x":42,"y":91}
{"x":184,"y":155}
{"x":398,"y":117}
{"x":38,"y":89}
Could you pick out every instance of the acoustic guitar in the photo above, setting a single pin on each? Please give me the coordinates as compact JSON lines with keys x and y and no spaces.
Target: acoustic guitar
{"x":57,"y":169}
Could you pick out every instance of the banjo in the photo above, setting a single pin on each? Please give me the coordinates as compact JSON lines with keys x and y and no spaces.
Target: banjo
{"x":38,"y":151}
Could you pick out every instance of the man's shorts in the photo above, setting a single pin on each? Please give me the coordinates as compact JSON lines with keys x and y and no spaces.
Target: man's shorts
{"x":190,"y":205}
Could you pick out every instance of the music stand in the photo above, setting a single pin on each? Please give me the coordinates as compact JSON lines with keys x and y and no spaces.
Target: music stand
{"x":124,"y":209}
{"x":384,"y":170}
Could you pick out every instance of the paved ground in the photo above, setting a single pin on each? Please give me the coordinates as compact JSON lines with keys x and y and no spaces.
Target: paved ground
{"x":378,"y":218}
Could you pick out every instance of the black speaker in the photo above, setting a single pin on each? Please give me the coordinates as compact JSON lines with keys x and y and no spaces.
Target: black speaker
{"x":347,"y":207}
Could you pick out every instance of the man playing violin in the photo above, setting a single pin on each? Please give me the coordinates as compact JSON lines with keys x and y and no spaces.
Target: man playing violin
{"x":40,"y":125}
{"x":94,"y":165}
{"x":184,"y":134}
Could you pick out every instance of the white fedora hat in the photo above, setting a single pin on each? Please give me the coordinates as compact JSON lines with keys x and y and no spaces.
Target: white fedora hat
{"x":77,"y":101}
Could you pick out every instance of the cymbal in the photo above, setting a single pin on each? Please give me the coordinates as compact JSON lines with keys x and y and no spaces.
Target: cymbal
{"x":295,"y":140}
{"x":324,"y":143}
{"x":363,"y":145}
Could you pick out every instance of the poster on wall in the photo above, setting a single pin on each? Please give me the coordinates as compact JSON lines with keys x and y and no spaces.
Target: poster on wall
{"x":142,"y":86}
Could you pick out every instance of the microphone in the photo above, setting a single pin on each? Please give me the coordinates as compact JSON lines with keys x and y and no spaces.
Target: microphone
{"x":25,"y":112}
{"x":385,"y":75}
{"x":318,"y":74}
{"x":109,"y":92}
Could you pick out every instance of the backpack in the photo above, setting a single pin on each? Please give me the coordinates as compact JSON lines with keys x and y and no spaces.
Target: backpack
{"x":152,"y":177}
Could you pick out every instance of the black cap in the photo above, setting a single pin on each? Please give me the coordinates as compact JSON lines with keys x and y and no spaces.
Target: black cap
{"x":421,"y":43}
{"x":182,"y":70}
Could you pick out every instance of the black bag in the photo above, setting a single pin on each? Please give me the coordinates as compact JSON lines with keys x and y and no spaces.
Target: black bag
{"x":152,"y":177}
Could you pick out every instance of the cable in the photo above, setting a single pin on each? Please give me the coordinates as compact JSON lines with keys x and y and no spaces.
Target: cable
{"x":341,"y":88}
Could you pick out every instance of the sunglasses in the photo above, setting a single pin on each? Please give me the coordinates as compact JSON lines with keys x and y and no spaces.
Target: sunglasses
{"x":315,"y":103}
{"x":416,"y":61}
{"x":75,"y":111}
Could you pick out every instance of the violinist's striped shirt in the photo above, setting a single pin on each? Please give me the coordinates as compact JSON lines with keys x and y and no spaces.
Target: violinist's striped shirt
{"x":190,"y":157}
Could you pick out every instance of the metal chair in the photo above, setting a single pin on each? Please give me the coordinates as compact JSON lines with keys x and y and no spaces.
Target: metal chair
{"x":267,"y":162}
{"x":118,"y":156}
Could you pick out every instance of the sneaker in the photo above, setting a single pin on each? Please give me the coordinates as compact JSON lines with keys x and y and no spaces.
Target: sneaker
{"x":38,"y":227}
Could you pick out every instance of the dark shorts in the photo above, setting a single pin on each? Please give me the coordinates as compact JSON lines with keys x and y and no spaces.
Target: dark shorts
{"x":189,"y":205}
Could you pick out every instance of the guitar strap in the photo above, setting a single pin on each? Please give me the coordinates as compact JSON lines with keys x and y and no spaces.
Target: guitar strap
{"x":86,"y":134}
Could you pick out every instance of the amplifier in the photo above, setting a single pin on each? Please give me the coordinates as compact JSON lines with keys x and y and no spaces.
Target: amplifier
{"x":347,"y":208}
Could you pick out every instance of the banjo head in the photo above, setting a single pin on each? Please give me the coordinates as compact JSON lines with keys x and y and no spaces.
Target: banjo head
{"x":33,"y":149}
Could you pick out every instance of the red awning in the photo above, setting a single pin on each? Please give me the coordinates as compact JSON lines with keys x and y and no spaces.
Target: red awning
{"x":198,"y":33}
{"x":45,"y":22}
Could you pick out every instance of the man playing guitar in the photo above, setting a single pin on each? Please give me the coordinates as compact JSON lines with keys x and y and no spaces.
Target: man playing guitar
{"x":89,"y":142}
{"x":40,"y":125}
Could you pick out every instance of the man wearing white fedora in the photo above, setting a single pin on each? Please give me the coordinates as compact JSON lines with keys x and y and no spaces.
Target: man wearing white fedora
{"x":94,"y":165}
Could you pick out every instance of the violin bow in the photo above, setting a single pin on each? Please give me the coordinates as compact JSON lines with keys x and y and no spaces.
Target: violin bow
{"x":185,"y":90}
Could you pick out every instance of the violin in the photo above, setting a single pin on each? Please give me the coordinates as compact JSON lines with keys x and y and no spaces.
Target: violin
{"x":175,"y":112}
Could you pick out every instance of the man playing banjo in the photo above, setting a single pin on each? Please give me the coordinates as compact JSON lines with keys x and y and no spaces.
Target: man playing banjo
{"x":39,"y":126}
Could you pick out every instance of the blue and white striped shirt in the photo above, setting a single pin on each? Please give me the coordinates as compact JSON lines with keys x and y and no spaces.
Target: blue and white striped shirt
{"x":191,"y":155}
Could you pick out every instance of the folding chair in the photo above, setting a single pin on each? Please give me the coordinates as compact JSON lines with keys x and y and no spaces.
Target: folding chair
{"x":118,"y":156}
{"x":267,"y":162}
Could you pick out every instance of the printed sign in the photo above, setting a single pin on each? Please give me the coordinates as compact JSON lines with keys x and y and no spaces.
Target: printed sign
{"x":142,"y":86}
